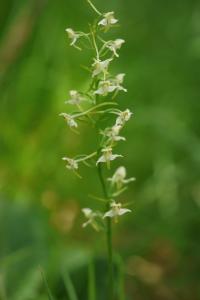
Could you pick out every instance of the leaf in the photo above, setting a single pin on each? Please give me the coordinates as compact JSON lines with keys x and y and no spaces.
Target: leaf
{"x":50,"y":296}
{"x":69,"y":286}
{"x":91,"y":282}
{"x":29,"y":287}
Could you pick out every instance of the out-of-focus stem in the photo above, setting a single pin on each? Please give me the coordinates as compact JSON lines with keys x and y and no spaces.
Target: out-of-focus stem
{"x":108,"y":237}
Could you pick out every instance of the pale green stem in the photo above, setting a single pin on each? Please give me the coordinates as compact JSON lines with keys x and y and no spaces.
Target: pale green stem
{"x":95,"y":44}
{"x":87,"y":157}
{"x":120,"y":281}
{"x":98,"y":198}
{"x":93,"y":108}
{"x":91,"y":282}
{"x":69,"y":287}
{"x":94,"y":8}
{"x":109,"y":238}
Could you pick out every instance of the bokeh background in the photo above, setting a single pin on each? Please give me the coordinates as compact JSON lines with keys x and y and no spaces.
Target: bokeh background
{"x":40,"y":201}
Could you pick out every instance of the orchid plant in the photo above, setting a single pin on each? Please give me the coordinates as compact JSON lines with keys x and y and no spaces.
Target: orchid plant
{"x":91,"y":106}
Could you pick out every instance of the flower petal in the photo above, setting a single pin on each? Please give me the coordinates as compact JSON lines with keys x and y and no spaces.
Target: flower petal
{"x":101,"y":159}
{"x":123,"y":211}
{"x":114,"y":156}
{"x":109,"y":214}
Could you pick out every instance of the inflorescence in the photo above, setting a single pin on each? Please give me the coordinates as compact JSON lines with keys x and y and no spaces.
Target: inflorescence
{"x":103,"y":86}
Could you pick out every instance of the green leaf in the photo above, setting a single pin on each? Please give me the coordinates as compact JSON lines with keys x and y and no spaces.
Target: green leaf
{"x":50,"y":296}
{"x":69,"y":286}
{"x":91,"y":282}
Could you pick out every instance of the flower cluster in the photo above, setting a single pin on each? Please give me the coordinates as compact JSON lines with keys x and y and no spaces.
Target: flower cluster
{"x":104,"y":85}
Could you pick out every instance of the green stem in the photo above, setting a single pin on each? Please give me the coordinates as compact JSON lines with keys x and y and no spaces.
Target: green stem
{"x":108,"y":236}
{"x":86,"y":157}
{"x":93,"y":7}
{"x":91,"y":282}
{"x":95,"y":44}
{"x":92,"y":108}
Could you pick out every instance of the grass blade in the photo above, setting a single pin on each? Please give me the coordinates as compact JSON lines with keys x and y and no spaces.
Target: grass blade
{"x":69,"y":286}
{"x":120,"y":278}
{"x":2,"y":287}
{"x":50,"y":296}
{"x":91,"y":282}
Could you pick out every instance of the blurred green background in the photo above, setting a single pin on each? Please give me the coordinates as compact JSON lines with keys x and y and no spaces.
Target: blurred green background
{"x":40,"y":201}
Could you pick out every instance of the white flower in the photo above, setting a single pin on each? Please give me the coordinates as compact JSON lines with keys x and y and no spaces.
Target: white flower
{"x":123,"y":117}
{"x":105,"y":87}
{"x":119,"y":178}
{"x":116,"y":210}
{"x":108,"y":20}
{"x":75,"y":99}
{"x":118,"y":80}
{"x":113,"y":134}
{"x":115,"y":45}
{"x":100,"y":66}
{"x":69,"y":119}
{"x":73,"y":36}
{"x":71,"y":163}
{"x":107,"y":156}
{"x":90,"y":216}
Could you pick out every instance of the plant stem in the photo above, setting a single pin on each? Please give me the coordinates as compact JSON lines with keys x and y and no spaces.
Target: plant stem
{"x":93,"y":7}
{"x":86,"y":157}
{"x":91,"y":282}
{"x":93,"y":108}
{"x":108,"y":236}
{"x":95,"y":44}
